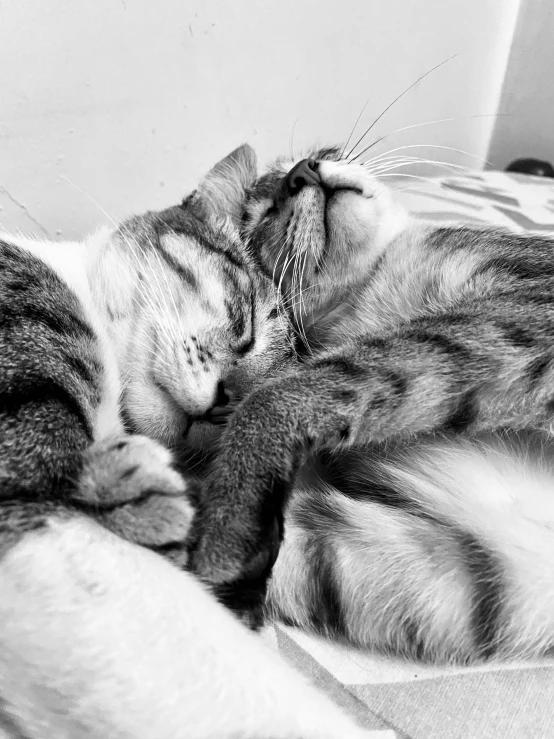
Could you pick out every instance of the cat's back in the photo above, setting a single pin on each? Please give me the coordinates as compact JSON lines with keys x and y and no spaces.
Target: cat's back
{"x":49,"y":375}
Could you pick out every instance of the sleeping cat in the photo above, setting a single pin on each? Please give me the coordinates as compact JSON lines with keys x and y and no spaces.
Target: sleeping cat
{"x":423,"y":522}
{"x":165,"y":322}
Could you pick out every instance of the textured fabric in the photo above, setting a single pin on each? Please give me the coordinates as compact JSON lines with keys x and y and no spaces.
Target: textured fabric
{"x":408,"y":701}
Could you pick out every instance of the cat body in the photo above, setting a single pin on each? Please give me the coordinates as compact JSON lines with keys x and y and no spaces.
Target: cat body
{"x":155,"y":326}
{"x":422,"y":523}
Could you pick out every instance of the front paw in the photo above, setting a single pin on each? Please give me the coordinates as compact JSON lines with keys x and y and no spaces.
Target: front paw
{"x":128,"y":484}
{"x":235,"y":552}
{"x":235,"y":559}
{"x":246,"y":599}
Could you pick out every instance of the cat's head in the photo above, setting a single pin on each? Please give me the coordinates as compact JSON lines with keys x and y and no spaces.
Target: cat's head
{"x":318,"y":226}
{"x":195,"y":321}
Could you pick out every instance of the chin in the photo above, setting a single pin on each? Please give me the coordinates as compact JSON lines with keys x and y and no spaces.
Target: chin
{"x":154,"y":420}
{"x":202,"y":437}
{"x":194,"y":452}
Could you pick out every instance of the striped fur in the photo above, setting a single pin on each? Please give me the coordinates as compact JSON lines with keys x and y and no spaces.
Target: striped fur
{"x":157,"y":327}
{"x":422,"y":524}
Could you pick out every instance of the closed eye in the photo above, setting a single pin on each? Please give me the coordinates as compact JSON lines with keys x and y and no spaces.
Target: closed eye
{"x":245,"y":348}
{"x":272,"y":210}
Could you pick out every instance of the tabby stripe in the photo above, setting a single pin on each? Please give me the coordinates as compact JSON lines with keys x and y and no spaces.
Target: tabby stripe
{"x":186,"y":274}
{"x":340,"y":472}
{"x":518,"y":336}
{"x":89,"y":373}
{"x":235,"y":312}
{"x":536,"y":370}
{"x":14,"y":402}
{"x":61,"y":324}
{"x":246,"y":346}
{"x":415,"y":645}
{"x":344,"y":367}
{"x":464,"y":415}
{"x":235,"y":317}
{"x":488,"y":590}
{"x":177,"y":220}
{"x":441,"y":342}
{"x":230,"y":257}
{"x":326,"y":613}
{"x":519,"y":267}
{"x":485,"y":570}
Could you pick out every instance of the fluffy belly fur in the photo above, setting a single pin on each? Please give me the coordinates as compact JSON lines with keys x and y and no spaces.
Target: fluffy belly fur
{"x":439,"y":549}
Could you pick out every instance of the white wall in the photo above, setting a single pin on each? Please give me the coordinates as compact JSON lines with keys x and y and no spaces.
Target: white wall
{"x":131,"y":100}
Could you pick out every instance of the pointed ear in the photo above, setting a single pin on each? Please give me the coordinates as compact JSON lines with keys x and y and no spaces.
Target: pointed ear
{"x":223,"y":190}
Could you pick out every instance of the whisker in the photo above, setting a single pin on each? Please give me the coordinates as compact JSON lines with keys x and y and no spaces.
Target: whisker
{"x":300,"y":293}
{"x":429,"y":146}
{"x":291,"y":138}
{"x":354,"y":128}
{"x":163,"y":272}
{"x":416,"y":160}
{"x":401,"y":174}
{"x":423,"y":76}
{"x":92,"y":200}
{"x":429,"y":123}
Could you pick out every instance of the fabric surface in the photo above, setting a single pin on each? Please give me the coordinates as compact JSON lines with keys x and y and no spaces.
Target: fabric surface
{"x":407,"y":701}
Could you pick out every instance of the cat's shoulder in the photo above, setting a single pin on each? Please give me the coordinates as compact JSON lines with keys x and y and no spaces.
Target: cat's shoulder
{"x":69,"y":260}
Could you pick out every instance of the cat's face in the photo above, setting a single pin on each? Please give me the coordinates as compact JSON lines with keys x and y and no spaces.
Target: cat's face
{"x":318,"y":226}
{"x":195,"y":321}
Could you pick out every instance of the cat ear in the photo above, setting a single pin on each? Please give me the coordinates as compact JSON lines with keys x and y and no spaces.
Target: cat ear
{"x":223,"y":190}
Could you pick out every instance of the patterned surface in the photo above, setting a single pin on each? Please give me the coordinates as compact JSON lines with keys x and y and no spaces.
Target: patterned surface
{"x":409,"y":701}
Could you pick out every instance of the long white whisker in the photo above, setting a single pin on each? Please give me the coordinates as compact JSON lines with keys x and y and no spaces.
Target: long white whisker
{"x":433,"y":162}
{"x":92,"y":200}
{"x":300,"y":314}
{"x":170,"y":292}
{"x":428,"y":123}
{"x":428,"y":146}
{"x":430,"y":71}
{"x":402,"y":174}
{"x":353,"y":129}
{"x":291,"y":139}
{"x":154,"y":294}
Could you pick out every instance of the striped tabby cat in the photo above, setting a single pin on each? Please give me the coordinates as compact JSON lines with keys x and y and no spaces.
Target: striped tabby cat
{"x":163,"y":321}
{"x":423,"y":522}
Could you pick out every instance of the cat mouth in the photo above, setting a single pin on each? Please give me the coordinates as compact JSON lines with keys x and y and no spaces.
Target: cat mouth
{"x":310,"y":172}
{"x":214,"y":419}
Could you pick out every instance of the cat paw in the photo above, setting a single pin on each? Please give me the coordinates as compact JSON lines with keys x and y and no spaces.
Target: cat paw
{"x":234,"y":556}
{"x":128,"y":484}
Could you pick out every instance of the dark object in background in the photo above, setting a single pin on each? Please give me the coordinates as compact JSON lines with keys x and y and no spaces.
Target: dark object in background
{"x":534,"y":167}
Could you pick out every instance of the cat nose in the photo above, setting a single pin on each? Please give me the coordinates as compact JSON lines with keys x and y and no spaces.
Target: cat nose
{"x":302,"y":174}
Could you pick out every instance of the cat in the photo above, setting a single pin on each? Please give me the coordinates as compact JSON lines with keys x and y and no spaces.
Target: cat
{"x":422,"y":524}
{"x":157,"y":326}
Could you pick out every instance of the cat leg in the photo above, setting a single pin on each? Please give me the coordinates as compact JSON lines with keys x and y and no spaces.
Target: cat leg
{"x":101,"y":638}
{"x":440,"y":373}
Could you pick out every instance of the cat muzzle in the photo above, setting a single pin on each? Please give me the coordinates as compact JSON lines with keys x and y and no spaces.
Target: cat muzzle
{"x":303,"y":173}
